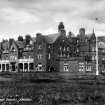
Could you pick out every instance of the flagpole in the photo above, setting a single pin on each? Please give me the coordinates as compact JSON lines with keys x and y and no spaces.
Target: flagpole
{"x":97,"y":71}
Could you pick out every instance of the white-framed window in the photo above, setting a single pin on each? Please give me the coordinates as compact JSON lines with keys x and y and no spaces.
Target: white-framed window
{"x":81,"y":67}
{"x":66,"y":67}
{"x":88,"y":68}
{"x":39,"y":67}
{"x":39,"y":56}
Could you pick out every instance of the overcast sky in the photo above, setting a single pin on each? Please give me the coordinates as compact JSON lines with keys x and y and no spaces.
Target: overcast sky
{"x":21,"y":17}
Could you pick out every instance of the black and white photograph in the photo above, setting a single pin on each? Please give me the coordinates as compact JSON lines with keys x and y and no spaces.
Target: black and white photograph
{"x":52,"y":52}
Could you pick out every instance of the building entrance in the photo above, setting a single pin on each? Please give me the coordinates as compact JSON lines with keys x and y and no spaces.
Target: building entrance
{"x":13,"y":66}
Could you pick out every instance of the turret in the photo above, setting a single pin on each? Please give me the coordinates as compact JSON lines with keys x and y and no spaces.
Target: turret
{"x":82,"y":31}
{"x":61,"y":28}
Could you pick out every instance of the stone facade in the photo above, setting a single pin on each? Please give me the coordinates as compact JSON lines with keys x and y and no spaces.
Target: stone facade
{"x":58,"y":52}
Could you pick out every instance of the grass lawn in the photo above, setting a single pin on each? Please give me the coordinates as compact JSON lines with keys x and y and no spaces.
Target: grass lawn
{"x":55,"y":89}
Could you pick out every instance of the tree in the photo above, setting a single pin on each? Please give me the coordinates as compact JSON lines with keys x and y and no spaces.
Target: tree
{"x":20,"y":38}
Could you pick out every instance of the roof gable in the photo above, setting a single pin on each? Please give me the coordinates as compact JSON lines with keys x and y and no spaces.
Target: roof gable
{"x":52,"y":38}
{"x":14,"y":46}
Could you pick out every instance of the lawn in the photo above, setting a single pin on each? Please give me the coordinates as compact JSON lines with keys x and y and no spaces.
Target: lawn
{"x":55,"y":89}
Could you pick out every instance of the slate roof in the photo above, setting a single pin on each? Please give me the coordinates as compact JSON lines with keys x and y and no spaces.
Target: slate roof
{"x":51,"y":38}
{"x":89,"y":35}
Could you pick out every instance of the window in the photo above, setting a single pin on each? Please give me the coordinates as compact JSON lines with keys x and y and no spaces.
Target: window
{"x":60,"y":54}
{"x":77,"y":41}
{"x":39,"y":56}
{"x":64,"y":49}
{"x":88,"y":68}
{"x":103,"y":58}
{"x":68,"y":55}
{"x":49,"y":56}
{"x":67,"y":48}
{"x":66,"y":67}
{"x":39,"y":67}
{"x":86,"y":40}
{"x":39,"y":46}
{"x":31,"y":66}
{"x":0,"y":66}
{"x":103,"y":50}
{"x":93,"y":57}
{"x":64,"y":54}
{"x":60,"y":47}
{"x":7,"y":67}
{"x":81,"y":67}
{"x":77,"y":50}
{"x":93,"y":49}
{"x":49,"y":46}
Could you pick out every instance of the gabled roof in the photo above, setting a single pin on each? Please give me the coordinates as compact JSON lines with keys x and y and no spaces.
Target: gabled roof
{"x":89,"y":35}
{"x":51,"y":38}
